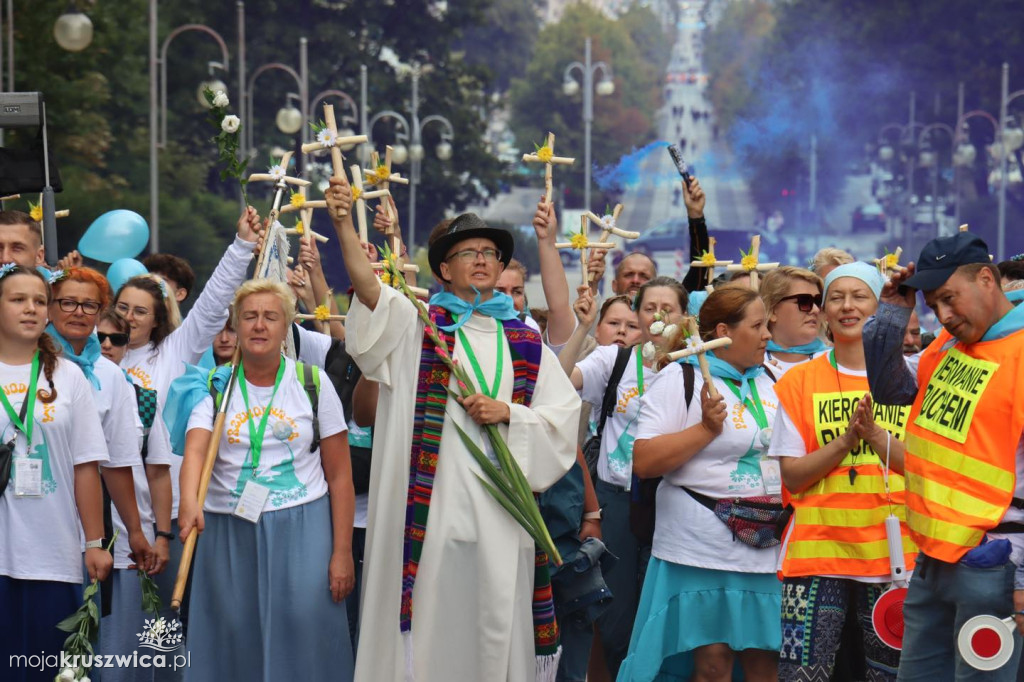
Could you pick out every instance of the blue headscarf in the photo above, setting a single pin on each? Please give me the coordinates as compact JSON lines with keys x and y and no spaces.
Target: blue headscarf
{"x":859,"y":270}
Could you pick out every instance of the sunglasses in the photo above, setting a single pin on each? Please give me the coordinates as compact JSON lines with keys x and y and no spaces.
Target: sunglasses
{"x":804,"y":302}
{"x":117,"y":339}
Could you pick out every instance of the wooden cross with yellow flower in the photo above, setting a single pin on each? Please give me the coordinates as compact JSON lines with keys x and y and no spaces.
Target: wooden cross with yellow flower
{"x":749,"y":262}
{"x":327,"y":138}
{"x":278,"y":174}
{"x":303,"y":227}
{"x":359,"y":197}
{"x":710,"y":261}
{"x":35,"y":211}
{"x":889,"y":262}
{"x":581,"y":242}
{"x":546,"y":155}
{"x":381,"y":176}
{"x":695,"y":346}
{"x":322,"y":313}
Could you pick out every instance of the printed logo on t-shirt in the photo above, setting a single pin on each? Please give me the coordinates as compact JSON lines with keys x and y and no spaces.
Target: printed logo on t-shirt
{"x":143,"y":377}
{"x":278,"y":476}
{"x":832,"y":417}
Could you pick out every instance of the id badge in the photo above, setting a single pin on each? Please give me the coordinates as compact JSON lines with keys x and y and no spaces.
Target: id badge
{"x":28,"y":477}
{"x":771,"y":474}
{"x":251,"y":503}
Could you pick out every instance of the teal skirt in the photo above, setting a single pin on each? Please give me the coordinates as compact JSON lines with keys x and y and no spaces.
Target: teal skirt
{"x":261,"y":609}
{"x":684,"y":607}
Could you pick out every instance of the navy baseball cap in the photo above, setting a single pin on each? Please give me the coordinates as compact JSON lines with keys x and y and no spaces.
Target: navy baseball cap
{"x":942,"y":256}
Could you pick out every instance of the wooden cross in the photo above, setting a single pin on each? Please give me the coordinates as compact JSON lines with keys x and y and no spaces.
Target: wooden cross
{"x":35,"y":211}
{"x":710,"y":261}
{"x":609,"y":226}
{"x":750,"y":264}
{"x":888,"y":262}
{"x":277,"y":174}
{"x":360,"y":196}
{"x":322,"y":313}
{"x":305,"y":208}
{"x":582,"y":243}
{"x":699,"y":348}
{"x":963,"y":228}
{"x":382,"y":177}
{"x":327,"y":138}
{"x":546,"y":155}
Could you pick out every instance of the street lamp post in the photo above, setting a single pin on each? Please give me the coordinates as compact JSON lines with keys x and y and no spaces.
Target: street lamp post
{"x":570,"y":86}
{"x":965,"y":153}
{"x":158,"y":99}
{"x":929,"y":158}
{"x":444,"y":150}
{"x":1006,"y":148}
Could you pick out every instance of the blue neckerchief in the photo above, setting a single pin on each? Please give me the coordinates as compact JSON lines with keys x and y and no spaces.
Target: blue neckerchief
{"x":811,"y":348}
{"x":1009,"y":323}
{"x":499,"y":306}
{"x":1015,"y":296}
{"x":184,"y":393}
{"x":723,"y":370}
{"x":86,"y":359}
{"x":208,"y":361}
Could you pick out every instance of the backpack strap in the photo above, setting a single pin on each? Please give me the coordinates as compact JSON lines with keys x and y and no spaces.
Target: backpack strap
{"x":768,"y":371}
{"x":688,"y":373}
{"x":309,"y":376}
{"x":608,"y":403}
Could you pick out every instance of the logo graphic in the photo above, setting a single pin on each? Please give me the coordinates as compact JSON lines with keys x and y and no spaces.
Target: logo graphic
{"x":161,"y":634}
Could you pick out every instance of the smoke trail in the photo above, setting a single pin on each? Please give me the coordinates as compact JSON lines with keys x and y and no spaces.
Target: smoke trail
{"x":631,"y":170}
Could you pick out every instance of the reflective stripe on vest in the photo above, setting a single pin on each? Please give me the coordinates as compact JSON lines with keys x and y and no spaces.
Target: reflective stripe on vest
{"x":962,"y":441}
{"x":839,"y":526}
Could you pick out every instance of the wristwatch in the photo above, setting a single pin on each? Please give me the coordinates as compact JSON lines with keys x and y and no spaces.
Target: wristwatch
{"x":94,"y":544}
{"x":165,"y":534}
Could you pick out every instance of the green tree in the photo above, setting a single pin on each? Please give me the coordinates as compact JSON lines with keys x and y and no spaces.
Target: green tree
{"x":621,"y":121}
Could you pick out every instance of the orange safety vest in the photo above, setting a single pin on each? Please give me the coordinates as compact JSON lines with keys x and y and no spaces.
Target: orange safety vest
{"x":838,"y":526}
{"x":962,"y":440}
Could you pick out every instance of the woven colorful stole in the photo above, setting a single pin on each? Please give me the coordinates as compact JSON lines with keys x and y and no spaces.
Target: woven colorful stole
{"x":431,"y":397}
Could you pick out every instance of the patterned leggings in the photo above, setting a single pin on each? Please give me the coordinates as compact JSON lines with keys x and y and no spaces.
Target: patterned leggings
{"x":813,"y":613}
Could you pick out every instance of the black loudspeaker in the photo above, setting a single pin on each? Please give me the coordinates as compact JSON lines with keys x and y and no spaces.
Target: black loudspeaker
{"x":31,"y":168}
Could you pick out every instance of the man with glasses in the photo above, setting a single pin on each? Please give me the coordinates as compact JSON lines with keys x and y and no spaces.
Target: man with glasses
{"x":452,"y":595}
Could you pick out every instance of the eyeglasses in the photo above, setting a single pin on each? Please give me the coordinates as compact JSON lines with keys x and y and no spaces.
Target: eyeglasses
{"x":804,"y":302}
{"x":69,"y":305}
{"x":125,"y":309}
{"x":470,"y":255}
{"x":116,"y":339}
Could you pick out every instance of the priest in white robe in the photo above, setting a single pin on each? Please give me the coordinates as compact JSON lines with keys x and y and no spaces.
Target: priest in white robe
{"x":472,"y":612}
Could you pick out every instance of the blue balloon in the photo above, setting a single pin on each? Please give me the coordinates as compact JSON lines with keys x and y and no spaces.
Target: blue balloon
{"x":120,"y":271}
{"x":115,"y":235}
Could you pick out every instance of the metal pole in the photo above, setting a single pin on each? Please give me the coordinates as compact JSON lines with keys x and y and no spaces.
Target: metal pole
{"x":958,"y":173}
{"x":414,"y":135}
{"x":303,"y":97}
{"x":1003,"y":166}
{"x":363,"y":113}
{"x":154,"y":174}
{"x":588,"y":117}
{"x":2,"y":89}
{"x":10,"y":45}
{"x":814,"y":174}
{"x":909,"y":235}
{"x":240,"y":6}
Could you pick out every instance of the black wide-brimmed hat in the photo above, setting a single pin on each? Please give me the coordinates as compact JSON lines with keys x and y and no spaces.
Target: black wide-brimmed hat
{"x":469,"y":226}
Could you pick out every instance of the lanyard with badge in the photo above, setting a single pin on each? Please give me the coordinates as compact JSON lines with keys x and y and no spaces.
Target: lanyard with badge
{"x":254,"y":495}
{"x":492,"y":391}
{"x":28,"y":473}
{"x":771,"y":472}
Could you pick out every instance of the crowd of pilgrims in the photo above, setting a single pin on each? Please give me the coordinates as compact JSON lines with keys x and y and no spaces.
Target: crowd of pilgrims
{"x":659,"y":580}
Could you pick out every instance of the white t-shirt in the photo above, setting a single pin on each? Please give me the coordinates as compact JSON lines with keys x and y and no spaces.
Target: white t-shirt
{"x":615,"y":464}
{"x":779,"y":367}
{"x":686,"y":532}
{"x":42,"y":535}
{"x":156,"y":369}
{"x":115,"y":401}
{"x":286,"y":466}
{"x":313,"y":346}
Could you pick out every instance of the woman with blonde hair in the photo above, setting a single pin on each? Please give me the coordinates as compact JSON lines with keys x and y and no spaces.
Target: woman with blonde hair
{"x":278,"y":513}
{"x":792,"y":297}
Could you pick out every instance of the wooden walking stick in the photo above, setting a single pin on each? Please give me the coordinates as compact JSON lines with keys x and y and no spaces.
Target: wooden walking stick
{"x":218,"y":429}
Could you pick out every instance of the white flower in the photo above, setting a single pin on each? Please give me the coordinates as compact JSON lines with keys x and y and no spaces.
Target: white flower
{"x":670,"y":330}
{"x":221,"y":99}
{"x":695,"y":344}
{"x":608,"y":220}
{"x":276,"y":171}
{"x":649,"y":351}
{"x":327,"y":137}
{"x":85,"y":678}
{"x":230,"y":124}
{"x":657,"y":327}
{"x":66,"y":675}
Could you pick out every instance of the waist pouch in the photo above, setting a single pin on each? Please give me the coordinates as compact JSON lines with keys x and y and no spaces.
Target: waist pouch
{"x":755,"y":521}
